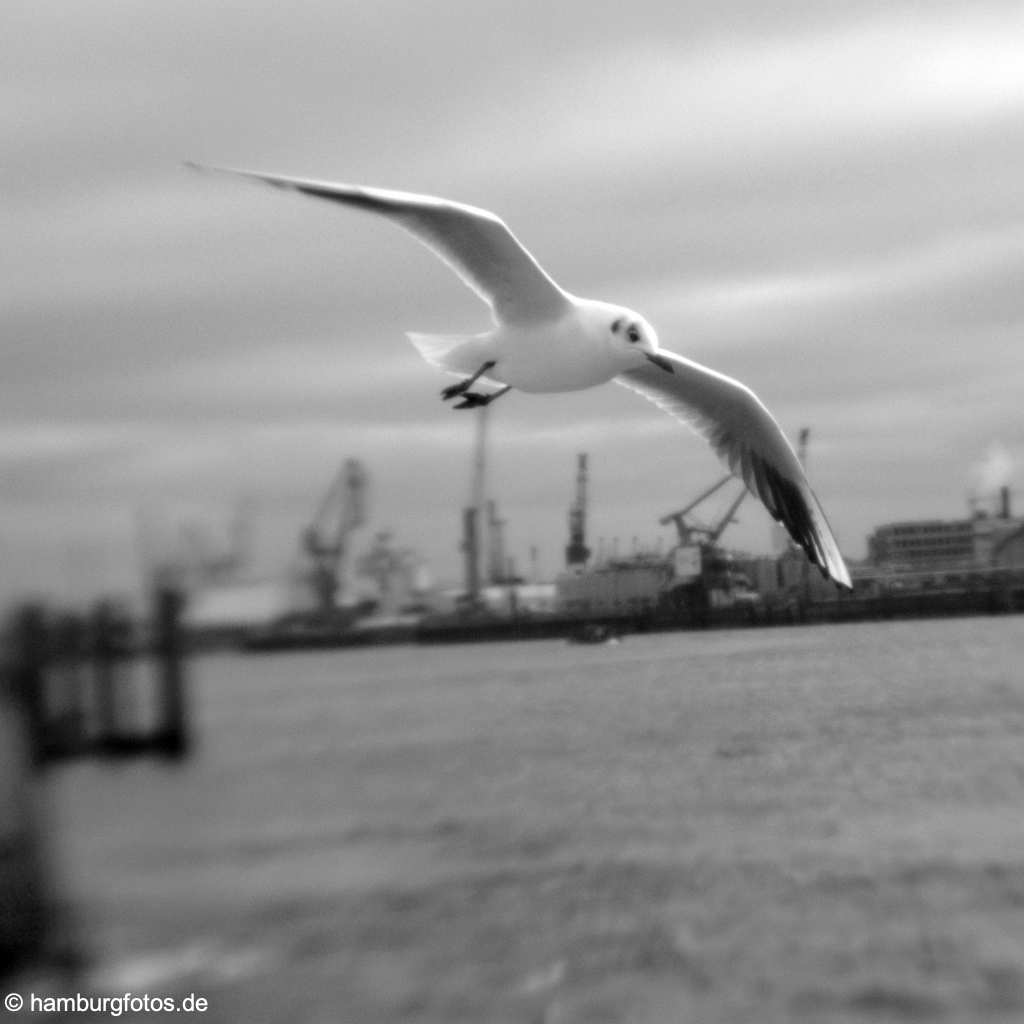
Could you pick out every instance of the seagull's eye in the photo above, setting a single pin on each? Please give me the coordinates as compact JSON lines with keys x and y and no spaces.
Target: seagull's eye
{"x":616,"y":324}
{"x":633,"y":334}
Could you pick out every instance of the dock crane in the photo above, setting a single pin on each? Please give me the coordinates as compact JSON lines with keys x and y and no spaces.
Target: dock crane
{"x":709,"y":576}
{"x":325,"y":539}
{"x":687,"y":532}
{"x":577,"y":552}
{"x":690,"y":532}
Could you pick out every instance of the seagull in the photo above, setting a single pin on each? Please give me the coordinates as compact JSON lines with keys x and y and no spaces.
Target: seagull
{"x":545,"y":339}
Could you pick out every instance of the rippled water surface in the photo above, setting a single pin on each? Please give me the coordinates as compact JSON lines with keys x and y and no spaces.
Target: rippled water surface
{"x":821,"y":824}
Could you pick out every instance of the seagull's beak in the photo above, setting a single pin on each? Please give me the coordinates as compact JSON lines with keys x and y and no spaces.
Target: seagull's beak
{"x":660,"y":361}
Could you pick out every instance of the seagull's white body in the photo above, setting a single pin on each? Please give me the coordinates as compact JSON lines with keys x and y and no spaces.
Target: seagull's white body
{"x":568,"y":352}
{"x":546,"y":340}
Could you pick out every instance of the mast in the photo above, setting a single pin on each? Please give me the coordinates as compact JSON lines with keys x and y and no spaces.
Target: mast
{"x":577,"y":552}
{"x":472,"y":516}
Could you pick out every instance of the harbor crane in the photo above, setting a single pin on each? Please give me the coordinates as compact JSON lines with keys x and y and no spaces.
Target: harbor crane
{"x":577,"y":552}
{"x":325,"y":539}
{"x":711,"y":574}
{"x":690,"y":532}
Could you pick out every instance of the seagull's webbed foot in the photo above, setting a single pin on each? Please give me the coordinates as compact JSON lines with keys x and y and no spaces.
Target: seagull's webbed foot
{"x":472,"y":400}
{"x":475,"y":400}
{"x":454,"y":390}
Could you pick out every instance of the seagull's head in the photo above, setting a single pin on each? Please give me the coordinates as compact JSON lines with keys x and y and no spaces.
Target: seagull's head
{"x":635,"y":338}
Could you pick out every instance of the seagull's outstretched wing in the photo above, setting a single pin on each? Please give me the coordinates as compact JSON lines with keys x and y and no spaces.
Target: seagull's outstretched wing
{"x":745,"y":435}
{"x":473,"y":242}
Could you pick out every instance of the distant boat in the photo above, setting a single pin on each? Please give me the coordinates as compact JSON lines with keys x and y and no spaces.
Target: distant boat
{"x":594,"y":633}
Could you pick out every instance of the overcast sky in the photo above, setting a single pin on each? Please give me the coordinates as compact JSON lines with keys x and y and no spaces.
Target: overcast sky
{"x":821,"y":199}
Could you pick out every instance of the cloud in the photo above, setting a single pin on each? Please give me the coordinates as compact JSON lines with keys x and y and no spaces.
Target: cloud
{"x":768,"y":94}
{"x":823,"y":203}
{"x":934,"y":266}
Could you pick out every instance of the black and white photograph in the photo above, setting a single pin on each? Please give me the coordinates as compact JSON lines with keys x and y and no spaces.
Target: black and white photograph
{"x":512,"y":513}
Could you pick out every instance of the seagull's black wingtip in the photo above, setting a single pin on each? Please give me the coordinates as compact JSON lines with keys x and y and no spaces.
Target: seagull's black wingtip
{"x":840,"y":584}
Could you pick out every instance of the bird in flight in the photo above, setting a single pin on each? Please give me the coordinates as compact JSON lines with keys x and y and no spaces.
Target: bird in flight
{"x":547,"y":340}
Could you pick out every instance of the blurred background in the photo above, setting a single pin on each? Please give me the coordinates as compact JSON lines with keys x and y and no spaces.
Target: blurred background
{"x":215,"y":443}
{"x":821,"y":200}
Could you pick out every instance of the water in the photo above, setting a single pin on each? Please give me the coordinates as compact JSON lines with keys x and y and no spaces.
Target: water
{"x":819,"y":824}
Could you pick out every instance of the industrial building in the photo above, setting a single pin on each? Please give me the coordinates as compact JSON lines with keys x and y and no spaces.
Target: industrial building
{"x":932,"y":545}
{"x":1008,"y":553}
{"x":923,"y":544}
{"x":630,"y":588}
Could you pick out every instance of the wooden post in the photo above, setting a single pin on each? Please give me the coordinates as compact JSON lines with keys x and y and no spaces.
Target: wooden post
{"x":172,"y":737}
{"x":103,"y":675}
{"x":117,"y":731}
{"x":28,"y":676}
{"x":26,"y":911}
{"x":66,"y":695}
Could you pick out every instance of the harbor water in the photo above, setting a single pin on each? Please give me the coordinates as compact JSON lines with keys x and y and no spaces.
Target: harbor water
{"x":821,"y":824}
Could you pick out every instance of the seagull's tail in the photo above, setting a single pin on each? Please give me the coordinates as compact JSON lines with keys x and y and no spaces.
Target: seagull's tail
{"x":461,"y":354}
